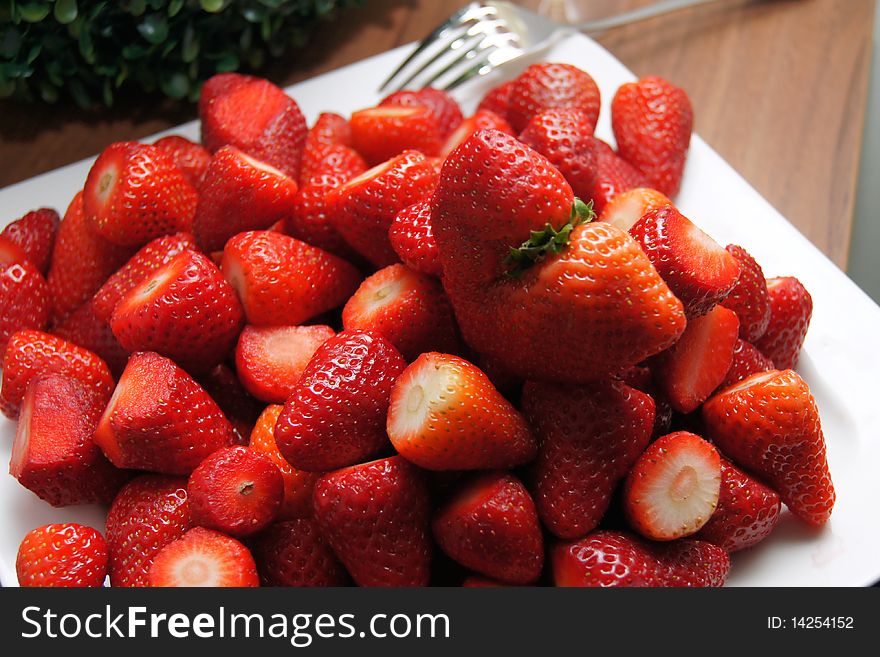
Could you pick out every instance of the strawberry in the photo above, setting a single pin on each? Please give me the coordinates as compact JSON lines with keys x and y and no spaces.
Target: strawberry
{"x":236,"y":490}
{"x":270,"y":360}
{"x":34,"y":234}
{"x":216,"y":86}
{"x":30,"y":353}
{"x":203,"y":557}
{"x":588,"y":439}
{"x":381,"y":133}
{"x":192,"y":159}
{"x":626,"y":208}
{"x":149,"y":512}
{"x":413,"y":240}
{"x":282,"y":281}
{"x":481,"y":120}
{"x":134,"y":193}
{"x":160,"y":420}
{"x":611,"y":175}
{"x":610,"y":558}
{"x":81,"y":261}
{"x":83,"y":328}
{"x":242,"y":410}
{"x":407,"y":308}
{"x":497,"y":99}
{"x":791,"y":308}
{"x":365,"y":206}
{"x":673,"y":488}
{"x":747,"y":511}
{"x":747,"y":360}
{"x":769,"y":425}
{"x":563,"y":136}
{"x":652,"y":121}
{"x":694,"y":366}
{"x":641,"y":378}
{"x":542,"y":275}
{"x":54,"y":455}
{"x":240,"y":193}
{"x":329,"y":130}
{"x":547,"y":86}
{"x":256,"y":117}
{"x":439,"y":104}
{"x":333,"y":159}
{"x":335,"y":415}
{"x":11,"y":252}
{"x":490,"y":526}
{"x":293,"y":553}
{"x":375,"y":517}
{"x":445,"y":414}
{"x":24,"y":296}
{"x":298,"y":484}
{"x":749,"y":298}
{"x":62,"y":555}
{"x":184,"y":310}
{"x":151,"y":257}
{"x":694,"y":266}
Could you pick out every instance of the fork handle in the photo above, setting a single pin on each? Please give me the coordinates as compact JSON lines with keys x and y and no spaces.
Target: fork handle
{"x":640,"y":14}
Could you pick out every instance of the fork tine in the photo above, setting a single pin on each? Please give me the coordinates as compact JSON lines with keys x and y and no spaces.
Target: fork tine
{"x":476,"y":69}
{"x":438,"y":55}
{"x":486,"y":47}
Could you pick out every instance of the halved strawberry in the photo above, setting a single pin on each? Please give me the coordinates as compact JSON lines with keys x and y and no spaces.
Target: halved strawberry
{"x":192,"y":159}
{"x":293,"y":553}
{"x":546,"y":86}
{"x":747,"y":360}
{"x":203,"y":557}
{"x":134,"y":193}
{"x":611,"y":175}
{"x":749,"y":298}
{"x":695,"y":267}
{"x":694,"y":366}
{"x":62,"y":555}
{"x":270,"y":360}
{"x":497,"y":99}
{"x":445,"y":414}
{"x":24,"y":297}
{"x":439,"y":103}
{"x":413,"y":240}
{"x":564,"y":136}
{"x":481,"y":120}
{"x":34,"y":234}
{"x":791,"y":308}
{"x":626,"y":208}
{"x":83,"y":328}
{"x":381,"y":133}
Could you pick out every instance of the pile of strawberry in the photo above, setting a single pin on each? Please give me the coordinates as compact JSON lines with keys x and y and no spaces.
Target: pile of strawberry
{"x":281,"y":366}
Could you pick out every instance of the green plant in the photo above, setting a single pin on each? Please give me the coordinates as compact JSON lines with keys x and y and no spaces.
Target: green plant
{"x":91,"y":49}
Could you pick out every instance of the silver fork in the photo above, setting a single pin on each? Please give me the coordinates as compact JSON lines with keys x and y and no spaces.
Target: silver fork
{"x":485,"y":34}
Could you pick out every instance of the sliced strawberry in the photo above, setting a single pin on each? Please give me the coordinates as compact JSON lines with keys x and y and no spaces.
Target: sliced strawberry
{"x":62,"y":555}
{"x":203,"y":557}
{"x":497,"y":99}
{"x":445,"y":414}
{"x":34,"y":234}
{"x":747,"y":360}
{"x":439,"y":103}
{"x":192,"y":159}
{"x":546,"y":86}
{"x":791,"y":308}
{"x":381,"y":133}
{"x":749,"y":298}
{"x":413,"y":240}
{"x":481,"y":120}
{"x":564,"y":136}
{"x":626,"y":208}
{"x":24,"y":296}
{"x":611,"y":175}
{"x":83,"y":328}
{"x":694,"y":366}
{"x":293,"y":553}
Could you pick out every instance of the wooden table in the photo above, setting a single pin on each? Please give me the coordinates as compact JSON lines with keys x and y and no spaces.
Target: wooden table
{"x":778,"y":86}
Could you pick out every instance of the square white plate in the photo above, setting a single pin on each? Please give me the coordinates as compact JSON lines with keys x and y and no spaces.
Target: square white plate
{"x":840,"y":360}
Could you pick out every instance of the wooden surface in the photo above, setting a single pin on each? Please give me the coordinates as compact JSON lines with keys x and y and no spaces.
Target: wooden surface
{"x":778,"y":87}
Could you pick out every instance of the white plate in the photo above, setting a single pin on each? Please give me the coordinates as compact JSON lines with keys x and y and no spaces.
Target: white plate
{"x":840,"y":359}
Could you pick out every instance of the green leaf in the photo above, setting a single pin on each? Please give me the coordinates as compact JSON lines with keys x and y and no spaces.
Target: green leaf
{"x":33,"y":12}
{"x":154,"y":28}
{"x":190,"y":46}
{"x":548,"y":240}
{"x":211,"y":6}
{"x":175,"y":85}
{"x":136,"y":7}
{"x":174,"y":8}
{"x":228,"y":62}
{"x":65,"y":11}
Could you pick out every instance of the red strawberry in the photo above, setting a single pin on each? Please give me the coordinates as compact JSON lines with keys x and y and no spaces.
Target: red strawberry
{"x":749,"y":298}
{"x":203,"y":557}
{"x":335,"y":415}
{"x":747,"y":360}
{"x":445,"y":414}
{"x":134,"y":193}
{"x":413,"y":240}
{"x":12,"y":252}
{"x":481,"y":120}
{"x":298,"y":484}
{"x":24,"y":297}
{"x":242,"y":410}
{"x":282,"y":281}
{"x":695,"y":267}
{"x":407,"y":308}
{"x":147,"y":514}
{"x":83,"y":328}
{"x":154,"y":255}
{"x":642,"y":379}
{"x":547,"y":86}
{"x":490,"y":526}
{"x":610,"y":558}
{"x":537,"y":277}
{"x":365,"y":206}
{"x":192,"y":159}
{"x":497,"y":99}
{"x":439,"y":104}
{"x":333,"y":159}
{"x":769,"y":425}
{"x":652,"y":121}
{"x":375,"y":517}
{"x":626,"y":208}
{"x":160,"y":420}
{"x":236,"y":490}
{"x":240,"y":193}
{"x":54,"y":455}
{"x":258,"y":118}
{"x":329,"y":130}
{"x":611,"y":175}
{"x":216,"y":86}
{"x":34,"y":234}
{"x":381,"y":133}
{"x":564,"y":136}
{"x":694,"y":366}
{"x":673,"y":488}
{"x":81,"y":261}
{"x":293,"y":553}
{"x":791,"y":308}
{"x":62,"y":555}
{"x":270,"y":360}
{"x":747,"y":511}
{"x":588,"y":439}
{"x":184,"y":310}
{"x":30,"y":353}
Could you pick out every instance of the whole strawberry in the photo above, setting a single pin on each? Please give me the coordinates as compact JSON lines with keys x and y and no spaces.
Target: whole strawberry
{"x":330,"y":129}
{"x":83,"y":328}
{"x":610,"y":175}
{"x":192,"y":159}
{"x":747,"y":360}
{"x":412,"y":239}
{"x":497,"y":99}
{"x":293,"y":553}
{"x":34,"y":234}
{"x":547,"y":86}
{"x":24,"y":296}
{"x":791,"y":308}
{"x":62,"y":555}
{"x":749,"y":298}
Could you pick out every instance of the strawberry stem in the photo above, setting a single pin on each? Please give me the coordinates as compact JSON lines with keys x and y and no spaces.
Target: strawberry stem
{"x":548,"y":240}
